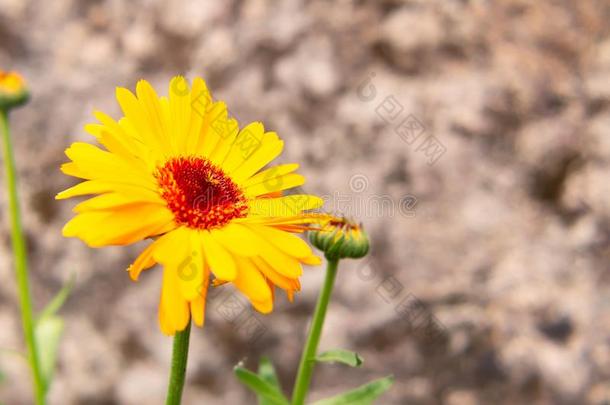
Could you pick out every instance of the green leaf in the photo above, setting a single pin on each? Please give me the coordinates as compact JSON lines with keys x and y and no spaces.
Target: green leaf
{"x":341,"y":356}
{"x":48,"y":330}
{"x":58,"y":301}
{"x":47,"y":333}
{"x":364,"y":395}
{"x":262,"y":388}
{"x":267,"y":373}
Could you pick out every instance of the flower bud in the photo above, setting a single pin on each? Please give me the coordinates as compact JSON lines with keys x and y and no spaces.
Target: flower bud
{"x":13,"y":90}
{"x":340,"y":238}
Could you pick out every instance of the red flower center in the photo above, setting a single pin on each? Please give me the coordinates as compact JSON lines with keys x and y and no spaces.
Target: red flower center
{"x":199,"y":194}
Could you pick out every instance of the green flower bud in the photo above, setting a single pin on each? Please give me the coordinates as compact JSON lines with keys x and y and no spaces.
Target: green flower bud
{"x":13,"y":90}
{"x":340,"y":238}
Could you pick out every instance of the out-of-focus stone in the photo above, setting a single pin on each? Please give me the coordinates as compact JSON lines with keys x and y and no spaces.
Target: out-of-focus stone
{"x":140,"y":40}
{"x":461,"y":397}
{"x":311,"y":68}
{"x":410,"y":28}
{"x":517,"y":281}
{"x":129,"y":390}
{"x":190,"y":18}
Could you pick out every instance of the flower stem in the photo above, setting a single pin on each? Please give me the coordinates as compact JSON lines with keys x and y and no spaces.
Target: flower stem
{"x":20,"y":258}
{"x":179,"y":359}
{"x":311,"y":346}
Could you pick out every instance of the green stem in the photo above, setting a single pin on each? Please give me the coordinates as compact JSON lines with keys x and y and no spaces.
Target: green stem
{"x":20,"y":258}
{"x":311,"y":346}
{"x":178,"y":373}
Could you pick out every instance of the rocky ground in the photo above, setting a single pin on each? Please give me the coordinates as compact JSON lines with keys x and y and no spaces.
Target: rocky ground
{"x":471,"y":137}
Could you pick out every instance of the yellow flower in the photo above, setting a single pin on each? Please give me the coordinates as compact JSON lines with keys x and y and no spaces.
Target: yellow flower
{"x":13,"y":90}
{"x":180,"y":169}
{"x":340,"y":238}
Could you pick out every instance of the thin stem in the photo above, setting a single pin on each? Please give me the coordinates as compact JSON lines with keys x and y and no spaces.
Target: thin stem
{"x":311,"y":346}
{"x":179,"y":360}
{"x":20,"y":258}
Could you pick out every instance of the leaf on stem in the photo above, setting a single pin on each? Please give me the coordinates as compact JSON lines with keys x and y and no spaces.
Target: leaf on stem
{"x":351,"y":359}
{"x":363,"y":395}
{"x":261,"y":387}
{"x":267,"y":373}
{"x":58,"y":301}
{"x":47,"y":334}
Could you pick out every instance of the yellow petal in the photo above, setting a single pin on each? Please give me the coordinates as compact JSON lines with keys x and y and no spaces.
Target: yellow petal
{"x":289,"y":205}
{"x":237,"y":238}
{"x":149,"y":101}
{"x":276,"y":278}
{"x":115,"y":201}
{"x":200,"y":99}
{"x":283,"y":264}
{"x":144,"y":261}
{"x":270,"y":173}
{"x":275,"y":184}
{"x":180,"y":112}
{"x":173,"y":308}
{"x":264,"y":307}
{"x":226,"y":130}
{"x":312,"y":260}
{"x":112,"y":129}
{"x":118,"y":145}
{"x":137,"y":116}
{"x":209,"y":135}
{"x":246,"y":143}
{"x":286,"y":242}
{"x":123,"y":226}
{"x":90,"y":162}
{"x":220,"y":261}
{"x":191,"y":268}
{"x":251,"y":282}
{"x":173,"y":247}
{"x":100,"y":187}
{"x":259,"y":158}
{"x":198,"y":305}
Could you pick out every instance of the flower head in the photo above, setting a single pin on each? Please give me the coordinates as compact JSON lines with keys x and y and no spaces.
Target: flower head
{"x":179,"y":170}
{"x":341,"y":238}
{"x":13,"y":90}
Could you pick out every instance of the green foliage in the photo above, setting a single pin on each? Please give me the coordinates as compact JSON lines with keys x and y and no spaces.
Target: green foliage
{"x":48,"y":330}
{"x":58,"y":301}
{"x":267,"y":373}
{"x":263,"y":387}
{"x":364,"y":395}
{"x":48,"y":333}
{"x":341,"y":356}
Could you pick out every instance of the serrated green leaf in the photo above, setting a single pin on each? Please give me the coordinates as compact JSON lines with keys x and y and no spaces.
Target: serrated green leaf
{"x":262,"y":388}
{"x":341,"y":356}
{"x":58,"y":301}
{"x":267,"y":373}
{"x":47,"y":333}
{"x":364,"y":395}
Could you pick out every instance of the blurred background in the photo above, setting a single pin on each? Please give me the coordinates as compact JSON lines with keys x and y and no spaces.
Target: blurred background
{"x":472,"y":138}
